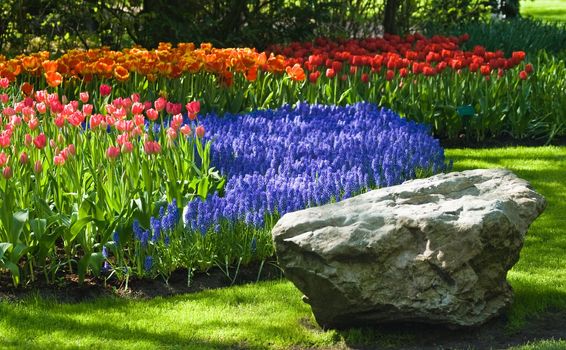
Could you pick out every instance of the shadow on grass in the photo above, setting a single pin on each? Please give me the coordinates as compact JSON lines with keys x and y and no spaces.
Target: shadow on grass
{"x":497,"y":333}
{"x":120,"y":323}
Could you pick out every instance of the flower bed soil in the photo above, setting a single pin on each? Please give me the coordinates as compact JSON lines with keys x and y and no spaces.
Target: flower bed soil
{"x":68,"y":290}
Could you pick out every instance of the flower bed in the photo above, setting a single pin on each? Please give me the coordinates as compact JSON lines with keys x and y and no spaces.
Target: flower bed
{"x":74,"y":179}
{"x":278,"y":161}
{"x":476,"y":93}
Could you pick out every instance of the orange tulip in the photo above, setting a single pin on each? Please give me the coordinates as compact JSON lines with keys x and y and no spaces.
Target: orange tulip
{"x":50,"y":66}
{"x":30,"y":63}
{"x":296,"y":72}
{"x":121,"y":73}
{"x":53,"y":79}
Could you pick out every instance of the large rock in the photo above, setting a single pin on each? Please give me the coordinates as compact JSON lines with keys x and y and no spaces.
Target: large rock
{"x":435,"y":250}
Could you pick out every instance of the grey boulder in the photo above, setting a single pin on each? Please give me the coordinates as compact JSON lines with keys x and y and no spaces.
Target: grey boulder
{"x":434,"y":250}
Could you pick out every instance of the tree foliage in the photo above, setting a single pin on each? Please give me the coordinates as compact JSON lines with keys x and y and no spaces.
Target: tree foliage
{"x":58,"y":26}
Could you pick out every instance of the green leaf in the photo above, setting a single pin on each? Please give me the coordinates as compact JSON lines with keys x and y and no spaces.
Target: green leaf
{"x":38,"y":227}
{"x":19,"y":219}
{"x":4,"y":247}
{"x":76,"y":228}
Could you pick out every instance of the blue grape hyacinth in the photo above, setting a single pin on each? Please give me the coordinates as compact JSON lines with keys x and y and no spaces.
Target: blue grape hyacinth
{"x":292,"y":158}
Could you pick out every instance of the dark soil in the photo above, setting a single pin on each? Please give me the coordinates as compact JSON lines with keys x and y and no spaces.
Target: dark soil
{"x":68,"y":290}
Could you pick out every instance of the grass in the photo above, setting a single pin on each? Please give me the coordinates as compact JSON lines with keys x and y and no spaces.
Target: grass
{"x":549,"y":10}
{"x":271,"y":314}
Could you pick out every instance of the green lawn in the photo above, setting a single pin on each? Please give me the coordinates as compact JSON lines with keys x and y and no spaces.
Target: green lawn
{"x":550,"y":10}
{"x":271,"y":314}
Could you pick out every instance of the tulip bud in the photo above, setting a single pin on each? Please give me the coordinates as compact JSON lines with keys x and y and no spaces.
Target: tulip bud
{"x":24,"y":159}
{"x":7,"y":172}
{"x":27,"y":140}
{"x":72,"y":149}
{"x":37,"y":167}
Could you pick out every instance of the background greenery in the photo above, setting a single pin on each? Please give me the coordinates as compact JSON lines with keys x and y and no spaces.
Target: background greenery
{"x":57,"y":26}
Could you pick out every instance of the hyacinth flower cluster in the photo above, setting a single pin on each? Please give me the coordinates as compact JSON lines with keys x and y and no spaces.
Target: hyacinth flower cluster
{"x":74,"y":171}
{"x":152,"y":251}
{"x":279,"y":161}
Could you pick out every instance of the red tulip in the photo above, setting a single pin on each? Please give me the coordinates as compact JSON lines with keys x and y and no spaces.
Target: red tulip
{"x":529,"y":68}
{"x":364,"y":78}
{"x":330,"y":73}
{"x":27,"y":140}
{"x":523,"y":75}
{"x":313,"y":77}
{"x":193,"y":107}
{"x":485,"y":70}
{"x":389,"y":75}
{"x":105,"y":90}
{"x":87,"y":109}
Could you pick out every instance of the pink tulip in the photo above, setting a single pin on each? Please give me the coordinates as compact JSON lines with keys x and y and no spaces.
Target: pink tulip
{"x":5,"y":140}
{"x":33,"y":123}
{"x":186,"y":130}
{"x":59,"y":160}
{"x":113,"y":152}
{"x":40,"y":141}
{"x":139,"y":119}
{"x":41,"y":107}
{"x":160,"y":104}
{"x":171,"y":133}
{"x":152,"y":114}
{"x":27,"y":140}
{"x":87,"y":109}
{"x":137,"y":108}
{"x":41,"y":96}
{"x":199,"y":131}
{"x":84,"y":97}
{"x":3,"y":159}
{"x":4,"y":83}
{"x":127,"y":147}
{"x":177,"y":121}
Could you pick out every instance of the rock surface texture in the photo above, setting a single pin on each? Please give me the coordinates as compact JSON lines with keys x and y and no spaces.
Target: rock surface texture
{"x":434,"y":250}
